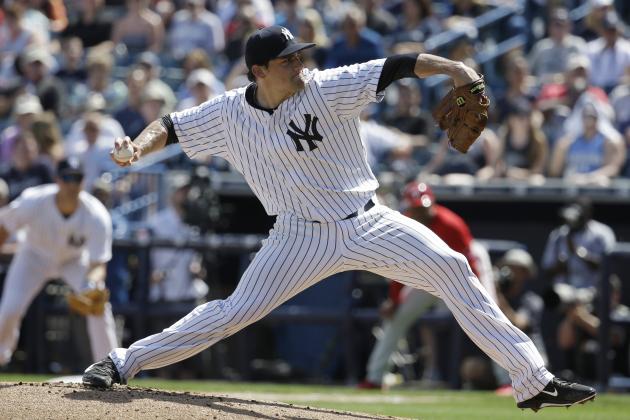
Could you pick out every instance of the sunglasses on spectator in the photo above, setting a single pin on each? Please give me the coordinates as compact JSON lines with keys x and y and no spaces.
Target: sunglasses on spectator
{"x":75,"y":178}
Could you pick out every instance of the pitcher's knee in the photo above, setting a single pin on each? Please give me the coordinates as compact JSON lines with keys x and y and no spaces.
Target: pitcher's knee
{"x":237,"y":315}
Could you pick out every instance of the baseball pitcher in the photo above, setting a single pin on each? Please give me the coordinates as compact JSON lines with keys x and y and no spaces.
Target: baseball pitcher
{"x":294,"y":135}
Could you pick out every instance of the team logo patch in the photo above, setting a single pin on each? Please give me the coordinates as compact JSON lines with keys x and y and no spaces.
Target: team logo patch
{"x":287,"y":34}
{"x":76,"y":241}
{"x":310,"y":133}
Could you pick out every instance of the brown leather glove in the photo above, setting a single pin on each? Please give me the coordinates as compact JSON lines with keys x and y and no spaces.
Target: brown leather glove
{"x":463,"y":113}
{"x":88,"y":302}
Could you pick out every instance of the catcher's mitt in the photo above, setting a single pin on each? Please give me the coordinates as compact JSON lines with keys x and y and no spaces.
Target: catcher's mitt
{"x":88,"y":302}
{"x":463,"y":113}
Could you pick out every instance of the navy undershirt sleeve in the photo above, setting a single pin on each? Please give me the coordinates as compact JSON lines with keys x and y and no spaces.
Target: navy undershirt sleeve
{"x":167,"y":123}
{"x":397,"y":67}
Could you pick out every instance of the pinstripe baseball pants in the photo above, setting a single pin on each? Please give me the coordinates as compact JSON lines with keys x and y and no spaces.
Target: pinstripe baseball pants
{"x":298,"y":253}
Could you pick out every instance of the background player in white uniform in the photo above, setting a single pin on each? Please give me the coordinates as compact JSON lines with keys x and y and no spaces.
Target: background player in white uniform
{"x":294,"y":135}
{"x":64,"y":233}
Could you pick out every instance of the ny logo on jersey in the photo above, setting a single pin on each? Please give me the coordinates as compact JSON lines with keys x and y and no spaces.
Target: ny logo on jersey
{"x":76,"y":241}
{"x":310,"y":133}
{"x":288,"y":35}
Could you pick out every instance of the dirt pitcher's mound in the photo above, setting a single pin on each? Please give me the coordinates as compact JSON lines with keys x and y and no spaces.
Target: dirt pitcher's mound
{"x":73,"y":401}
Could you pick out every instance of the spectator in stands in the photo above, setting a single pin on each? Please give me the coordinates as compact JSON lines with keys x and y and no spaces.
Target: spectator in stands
{"x":154,"y":101}
{"x":197,"y":59}
{"x":480,"y":162}
{"x":312,"y":30}
{"x":377,"y":17}
{"x":574,"y":93}
{"x":25,"y":108}
{"x":95,"y":158}
{"x":609,"y":54}
{"x":37,"y":65}
{"x":592,"y":24}
{"x":262,"y":11}
{"x":200,"y":84}
{"x":8,"y":93}
{"x":140,"y":29}
{"x":76,"y":143}
{"x":195,"y":27}
{"x":37,"y":21}
{"x":417,"y":24}
{"x":151,"y":64}
{"x":524,"y":149}
{"x":575,"y":250}
{"x":355,"y":43}
{"x":402,"y":310}
{"x":89,"y":23}
{"x":520,"y":84}
{"x":590,"y":157}
{"x":549,"y":57}
{"x":55,"y":11}
{"x":383,"y":144}
{"x":462,"y":13}
{"x":26,"y":170}
{"x":129,"y":116}
{"x":173,"y":276}
{"x":47,"y":133}
{"x":523,"y":307}
{"x":554,"y":114}
{"x":572,"y":261}
{"x":15,"y":37}
{"x":405,"y":111}
{"x":72,"y":69}
{"x":99,"y":81}
{"x":243,"y":23}
{"x":288,"y":14}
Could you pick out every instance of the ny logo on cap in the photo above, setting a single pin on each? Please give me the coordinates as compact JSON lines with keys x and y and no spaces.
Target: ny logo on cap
{"x":297,"y":134}
{"x":287,"y":34}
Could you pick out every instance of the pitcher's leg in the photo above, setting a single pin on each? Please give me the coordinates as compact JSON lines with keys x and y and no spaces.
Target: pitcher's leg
{"x":288,"y":262}
{"x":25,"y":278}
{"x":412,"y":254}
{"x":416,"y":304}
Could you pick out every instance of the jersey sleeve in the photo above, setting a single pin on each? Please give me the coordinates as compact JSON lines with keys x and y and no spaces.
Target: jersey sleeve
{"x":200,"y":129}
{"x":348,"y":90}
{"x":18,"y":213}
{"x":100,"y":236}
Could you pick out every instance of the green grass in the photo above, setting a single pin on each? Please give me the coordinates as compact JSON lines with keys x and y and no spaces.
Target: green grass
{"x":403,"y":403}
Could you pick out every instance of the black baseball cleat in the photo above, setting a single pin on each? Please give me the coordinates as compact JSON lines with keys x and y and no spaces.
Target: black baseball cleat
{"x":102,"y":374}
{"x":559,"y":393}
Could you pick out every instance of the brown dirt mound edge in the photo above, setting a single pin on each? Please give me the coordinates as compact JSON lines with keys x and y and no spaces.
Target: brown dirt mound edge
{"x":57,"y":400}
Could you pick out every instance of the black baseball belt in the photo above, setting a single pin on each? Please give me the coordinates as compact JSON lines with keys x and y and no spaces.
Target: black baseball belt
{"x":367,"y":206}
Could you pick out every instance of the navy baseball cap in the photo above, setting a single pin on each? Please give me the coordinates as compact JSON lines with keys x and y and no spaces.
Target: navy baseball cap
{"x":271,"y":42}
{"x":69,"y":166}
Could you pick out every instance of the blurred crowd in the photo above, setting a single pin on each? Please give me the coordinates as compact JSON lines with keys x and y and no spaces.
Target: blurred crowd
{"x":75,"y":74}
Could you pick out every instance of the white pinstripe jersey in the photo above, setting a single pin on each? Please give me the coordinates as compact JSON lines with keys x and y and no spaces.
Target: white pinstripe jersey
{"x":86,"y":234}
{"x":307,"y":158}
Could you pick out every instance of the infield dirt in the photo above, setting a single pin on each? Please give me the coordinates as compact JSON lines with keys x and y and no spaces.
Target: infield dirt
{"x":26,"y":400}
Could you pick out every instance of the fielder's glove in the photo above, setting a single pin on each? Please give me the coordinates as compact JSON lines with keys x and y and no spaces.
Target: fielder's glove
{"x":463,"y":113}
{"x":88,"y":302}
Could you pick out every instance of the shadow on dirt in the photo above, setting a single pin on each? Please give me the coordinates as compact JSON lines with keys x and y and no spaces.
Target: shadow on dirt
{"x":221,"y":404}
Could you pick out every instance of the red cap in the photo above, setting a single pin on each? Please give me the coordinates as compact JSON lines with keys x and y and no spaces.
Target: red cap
{"x":417,"y":194}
